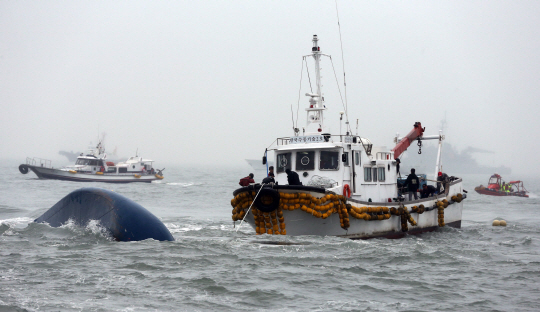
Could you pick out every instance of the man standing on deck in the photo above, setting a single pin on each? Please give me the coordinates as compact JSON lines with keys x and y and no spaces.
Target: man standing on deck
{"x":442,"y":179}
{"x":292,"y":177}
{"x":412,"y":184}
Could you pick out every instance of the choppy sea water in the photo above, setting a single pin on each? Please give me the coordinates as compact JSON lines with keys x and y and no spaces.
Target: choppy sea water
{"x":211,"y":267}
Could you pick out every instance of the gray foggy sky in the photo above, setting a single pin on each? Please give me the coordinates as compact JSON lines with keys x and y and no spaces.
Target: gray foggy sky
{"x":193,"y":82}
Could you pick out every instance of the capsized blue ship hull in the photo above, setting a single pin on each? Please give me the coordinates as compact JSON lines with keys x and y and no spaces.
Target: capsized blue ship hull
{"x":123,"y":218}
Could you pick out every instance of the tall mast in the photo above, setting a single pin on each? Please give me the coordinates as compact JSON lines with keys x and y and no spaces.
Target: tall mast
{"x":316,"y":101}
{"x":316,"y":51}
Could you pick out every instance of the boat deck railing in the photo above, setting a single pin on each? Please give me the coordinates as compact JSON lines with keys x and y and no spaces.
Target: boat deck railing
{"x":39,"y":162}
{"x":117,"y":173}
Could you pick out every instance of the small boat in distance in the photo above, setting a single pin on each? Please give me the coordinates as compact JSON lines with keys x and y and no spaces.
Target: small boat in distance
{"x":497,"y":187}
{"x":94,"y":167}
{"x":71,"y":156}
{"x":342,"y":184}
{"x":257,"y":164}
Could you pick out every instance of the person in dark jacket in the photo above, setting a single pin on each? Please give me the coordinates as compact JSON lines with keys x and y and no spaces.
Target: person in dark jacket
{"x":247,"y":180}
{"x":412,"y":184}
{"x":427,"y":190}
{"x":269,"y":179}
{"x":292,"y":177}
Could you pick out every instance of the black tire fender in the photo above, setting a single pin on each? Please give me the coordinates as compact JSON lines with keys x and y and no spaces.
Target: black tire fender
{"x":23,"y":169}
{"x":267,"y":200}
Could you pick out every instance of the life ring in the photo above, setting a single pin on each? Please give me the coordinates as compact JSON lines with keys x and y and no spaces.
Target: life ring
{"x":267,"y":200}
{"x":23,"y":169}
{"x":347,"y":191}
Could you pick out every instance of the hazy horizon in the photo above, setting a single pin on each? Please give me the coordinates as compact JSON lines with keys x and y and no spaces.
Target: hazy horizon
{"x":199,"y":82}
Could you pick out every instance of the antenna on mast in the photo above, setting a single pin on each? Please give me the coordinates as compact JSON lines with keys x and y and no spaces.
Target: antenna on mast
{"x":343,"y":62}
{"x":315,"y":111}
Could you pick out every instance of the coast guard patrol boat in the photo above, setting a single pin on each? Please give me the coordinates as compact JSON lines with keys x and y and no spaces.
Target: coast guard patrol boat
{"x":94,"y":167}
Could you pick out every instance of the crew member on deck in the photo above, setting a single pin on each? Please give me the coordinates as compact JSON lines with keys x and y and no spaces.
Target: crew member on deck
{"x":427,"y":190}
{"x":292,"y":177}
{"x":412,"y":184}
{"x":247,"y":180}
{"x":269,"y":179}
{"x":441,"y":181}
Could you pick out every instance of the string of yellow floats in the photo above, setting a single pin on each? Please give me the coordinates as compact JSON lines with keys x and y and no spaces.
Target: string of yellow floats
{"x":274,"y":222}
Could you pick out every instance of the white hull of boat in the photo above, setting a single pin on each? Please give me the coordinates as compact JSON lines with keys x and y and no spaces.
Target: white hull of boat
{"x":299,"y":222}
{"x":57,"y":174}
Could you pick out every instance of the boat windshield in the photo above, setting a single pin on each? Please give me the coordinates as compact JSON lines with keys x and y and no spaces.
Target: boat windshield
{"x":493,"y":180}
{"x":283,"y":162}
{"x":305,"y":160}
{"x":87,"y":162}
{"x":329,"y":160}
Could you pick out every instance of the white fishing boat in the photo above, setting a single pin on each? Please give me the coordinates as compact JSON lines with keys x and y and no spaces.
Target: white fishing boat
{"x":344,"y":186}
{"x":94,"y":167}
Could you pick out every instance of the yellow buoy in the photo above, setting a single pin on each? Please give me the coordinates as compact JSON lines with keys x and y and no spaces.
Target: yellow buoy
{"x":502,"y":223}
{"x":496,"y":223}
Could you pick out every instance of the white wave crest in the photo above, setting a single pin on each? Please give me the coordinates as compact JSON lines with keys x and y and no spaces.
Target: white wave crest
{"x":17,"y":222}
{"x":174,"y":228}
{"x":184,"y":184}
{"x":93,"y":227}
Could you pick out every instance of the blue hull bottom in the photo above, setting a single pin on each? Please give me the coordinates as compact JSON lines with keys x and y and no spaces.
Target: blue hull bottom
{"x":123,"y":218}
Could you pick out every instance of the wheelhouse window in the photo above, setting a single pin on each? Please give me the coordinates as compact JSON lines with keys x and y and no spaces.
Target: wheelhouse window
{"x":374,"y":174}
{"x":367,"y":174}
{"x":346,"y":158}
{"x":283,"y":162}
{"x":329,"y":160}
{"x":382,"y":173}
{"x":305,"y":160}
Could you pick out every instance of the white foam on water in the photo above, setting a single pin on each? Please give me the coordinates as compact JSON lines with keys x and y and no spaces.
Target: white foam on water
{"x":174,"y":228}
{"x":20,"y":222}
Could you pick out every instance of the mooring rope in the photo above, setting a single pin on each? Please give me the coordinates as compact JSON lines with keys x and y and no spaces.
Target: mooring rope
{"x":263,"y":184}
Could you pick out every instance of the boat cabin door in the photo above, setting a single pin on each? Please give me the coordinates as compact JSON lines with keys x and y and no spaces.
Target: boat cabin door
{"x":347,"y":169}
{"x":355,"y":166}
